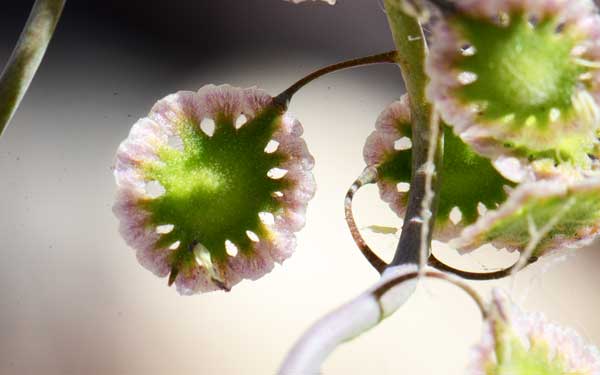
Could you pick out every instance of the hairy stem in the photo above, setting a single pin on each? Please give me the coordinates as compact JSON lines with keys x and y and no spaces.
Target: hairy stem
{"x":27,"y":56}
{"x":368,"y":309}
{"x":537,"y":235}
{"x":418,"y":223}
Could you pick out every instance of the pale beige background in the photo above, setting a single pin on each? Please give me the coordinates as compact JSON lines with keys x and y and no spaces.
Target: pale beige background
{"x":75,"y":301}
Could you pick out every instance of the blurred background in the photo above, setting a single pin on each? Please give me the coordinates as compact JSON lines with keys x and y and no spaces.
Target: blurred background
{"x":75,"y":300}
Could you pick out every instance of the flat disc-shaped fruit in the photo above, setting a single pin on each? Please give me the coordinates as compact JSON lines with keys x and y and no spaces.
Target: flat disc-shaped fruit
{"x":212,"y":185}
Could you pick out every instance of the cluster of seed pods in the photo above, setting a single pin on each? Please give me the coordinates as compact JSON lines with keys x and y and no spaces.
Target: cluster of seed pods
{"x":516,"y":84}
{"x":212,"y":185}
{"x":517,"y":87}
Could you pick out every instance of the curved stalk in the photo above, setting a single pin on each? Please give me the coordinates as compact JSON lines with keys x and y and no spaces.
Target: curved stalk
{"x":368,"y":176}
{"x":284,"y":98}
{"x":347,"y":322}
{"x":386,"y":287}
{"x":434,"y":262}
{"x":361,"y":314}
{"x":27,"y":56}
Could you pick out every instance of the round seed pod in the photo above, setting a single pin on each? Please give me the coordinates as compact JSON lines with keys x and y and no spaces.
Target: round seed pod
{"x":212,"y":186}
{"x":520,"y":79}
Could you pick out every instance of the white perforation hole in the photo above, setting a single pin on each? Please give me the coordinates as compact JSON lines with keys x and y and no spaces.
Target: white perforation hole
{"x":466,"y":78}
{"x":277,"y":194}
{"x":554,"y":114}
{"x":272,"y":146}
{"x":403,"y":143}
{"x":175,"y":245}
{"x":266,"y":218}
{"x":403,"y":187}
{"x":175,"y":142}
{"x":154,"y":189}
{"x":231,"y":248}
{"x":208,"y":126}
{"x":240,"y":121}
{"x":203,"y":258}
{"x":468,"y":50}
{"x":455,"y":215}
{"x":276,"y":173}
{"x":164,"y":229}
{"x":481,"y":208}
{"x":252,"y":236}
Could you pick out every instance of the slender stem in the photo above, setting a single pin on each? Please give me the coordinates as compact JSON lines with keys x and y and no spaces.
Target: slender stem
{"x":494,"y":275}
{"x":427,"y":143}
{"x":368,"y":176}
{"x":27,"y":56}
{"x":365,"y":311}
{"x":284,"y":98}
{"x":386,"y":287}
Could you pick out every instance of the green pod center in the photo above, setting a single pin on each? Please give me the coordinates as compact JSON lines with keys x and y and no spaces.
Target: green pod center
{"x":524,"y":72}
{"x":214,"y":187}
{"x":513,"y":358}
{"x":467,"y":179}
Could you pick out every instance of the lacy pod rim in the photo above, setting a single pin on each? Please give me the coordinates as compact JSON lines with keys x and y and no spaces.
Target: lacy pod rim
{"x":520,"y":78}
{"x":212,"y":186}
{"x":521,"y":343}
{"x":548,"y":215}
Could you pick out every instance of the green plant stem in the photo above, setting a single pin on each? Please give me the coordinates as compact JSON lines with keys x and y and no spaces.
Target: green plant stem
{"x":412,"y":46}
{"x":369,"y":308}
{"x":27,"y":56}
